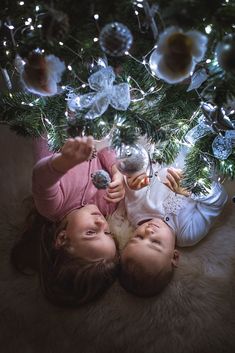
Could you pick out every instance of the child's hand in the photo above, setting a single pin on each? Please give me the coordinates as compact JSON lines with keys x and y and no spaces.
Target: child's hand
{"x":75,"y":151}
{"x":138,"y":182}
{"x":173,"y":181}
{"x":116,"y":189}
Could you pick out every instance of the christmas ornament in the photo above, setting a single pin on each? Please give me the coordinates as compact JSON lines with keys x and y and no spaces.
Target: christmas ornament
{"x":115,"y":39}
{"x":225,"y":52}
{"x":41,"y":73}
{"x":177,"y":54}
{"x":222,"y":147}
{"x":55,"y":25}
{"x":222,"y":144}
{"x":118,"y":96}
{"x":101,"y":179}
{"x":132,"y":159}
{"x":216,"y":118}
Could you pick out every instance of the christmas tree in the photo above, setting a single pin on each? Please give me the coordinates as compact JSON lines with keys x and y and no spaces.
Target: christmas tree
{"x":128,"y":68}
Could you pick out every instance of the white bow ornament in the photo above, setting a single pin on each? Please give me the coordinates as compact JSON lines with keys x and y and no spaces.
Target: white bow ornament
{"x":118,"y":96}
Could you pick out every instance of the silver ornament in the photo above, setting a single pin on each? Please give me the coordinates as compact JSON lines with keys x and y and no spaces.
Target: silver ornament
{"x":101,"y":179}
{"x":115,"y":39}
{"x":132,"y":159}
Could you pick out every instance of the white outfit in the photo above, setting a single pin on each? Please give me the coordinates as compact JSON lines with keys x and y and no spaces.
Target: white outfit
{"x":189,"y":217}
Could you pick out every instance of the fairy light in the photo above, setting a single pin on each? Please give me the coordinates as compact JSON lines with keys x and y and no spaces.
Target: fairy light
{"x":208,"y":29}
{"x":95,"y":39}
{"x":21,"y":3}
{"x":10,"y":94}
{"x":39,"y":26}
{"x":144,"y":62}
{"x":32,"y":28}
{"x":4,"y":43}
{"x":37,"y":8}
{"x":69,"y":67}
{"x":208,"y":61}
{"x":61,"y":43}
{"x":9,"y":26}
{"x":84,"y":85}
{"x":136,"y":13}
{"x":96,"y":16}
{"x":140,"y":6}
{"x":7,"y":52}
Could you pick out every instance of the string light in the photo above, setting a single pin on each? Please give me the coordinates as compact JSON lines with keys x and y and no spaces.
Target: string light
{"x":96,"y":16}
{"x":95,"y":39}
{"x":21,"y":3}
{"x":208,"y":61}
{"x":69,"y":67}
{"x":37,"y":8}
{"x":208,"y":29}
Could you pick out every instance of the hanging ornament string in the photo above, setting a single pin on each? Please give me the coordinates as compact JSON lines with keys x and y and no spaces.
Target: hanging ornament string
{"x":106,"y":93}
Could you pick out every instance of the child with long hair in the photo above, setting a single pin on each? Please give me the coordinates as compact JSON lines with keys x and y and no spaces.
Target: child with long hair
{"x":77,"y":255}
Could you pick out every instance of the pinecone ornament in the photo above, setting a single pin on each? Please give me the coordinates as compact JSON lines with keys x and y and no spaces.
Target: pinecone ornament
{"x":55,"y":25}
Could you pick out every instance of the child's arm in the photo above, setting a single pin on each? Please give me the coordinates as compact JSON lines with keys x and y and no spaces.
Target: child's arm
{"x":196,"y":219}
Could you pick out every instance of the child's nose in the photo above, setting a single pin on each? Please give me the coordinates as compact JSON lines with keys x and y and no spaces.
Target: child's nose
{"x":100,"y":222}
{"x":149,"y":231}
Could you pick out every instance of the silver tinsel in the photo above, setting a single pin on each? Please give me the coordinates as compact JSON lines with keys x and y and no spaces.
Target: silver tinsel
{"x":115,"y":39}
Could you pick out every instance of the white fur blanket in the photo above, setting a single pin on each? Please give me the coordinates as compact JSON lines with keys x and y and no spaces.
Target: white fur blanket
{"x":195,"y":314}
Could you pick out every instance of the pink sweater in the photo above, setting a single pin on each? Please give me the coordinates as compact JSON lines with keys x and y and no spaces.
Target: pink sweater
{"x":56,"y":194}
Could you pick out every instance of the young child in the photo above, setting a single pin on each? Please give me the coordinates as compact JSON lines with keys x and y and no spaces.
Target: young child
{"x":79,"y":254}
{"x":164,"y":215}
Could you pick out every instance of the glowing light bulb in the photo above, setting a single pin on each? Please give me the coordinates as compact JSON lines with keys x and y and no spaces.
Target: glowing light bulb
{"x":96,"y":16}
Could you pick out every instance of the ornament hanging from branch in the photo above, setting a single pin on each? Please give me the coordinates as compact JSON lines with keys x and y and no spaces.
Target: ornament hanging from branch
{"x":216,"y":118}
{"x":55,"y":25}
{"x":177,"y":54}
{"x":41,"y":74}
{"x":115,"y":39}
{"x":225,"y":53}
{"x":106,"y":93}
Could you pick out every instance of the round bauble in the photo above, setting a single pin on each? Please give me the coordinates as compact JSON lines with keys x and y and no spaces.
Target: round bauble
{"x":132,"y":159}
{"x":115,"y":39}
{"x":225,"y":52}
{"x":100,"y":179}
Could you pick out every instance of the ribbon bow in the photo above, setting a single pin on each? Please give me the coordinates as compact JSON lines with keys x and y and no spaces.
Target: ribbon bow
{"x":118,"y":96}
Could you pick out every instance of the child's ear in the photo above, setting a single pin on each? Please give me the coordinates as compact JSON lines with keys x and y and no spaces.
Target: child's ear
{"x":61,"y":239}
{"x":175,"y":258}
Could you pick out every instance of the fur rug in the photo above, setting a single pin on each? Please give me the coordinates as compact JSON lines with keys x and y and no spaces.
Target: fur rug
{"x":195,"y":314}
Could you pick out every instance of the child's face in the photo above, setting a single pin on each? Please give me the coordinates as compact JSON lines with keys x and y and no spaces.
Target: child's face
{"x":88,"y":234}
{"x":152,"y":245}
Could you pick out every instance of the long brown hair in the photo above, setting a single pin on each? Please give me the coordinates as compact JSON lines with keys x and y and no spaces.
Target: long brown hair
{"x":65,"y":280}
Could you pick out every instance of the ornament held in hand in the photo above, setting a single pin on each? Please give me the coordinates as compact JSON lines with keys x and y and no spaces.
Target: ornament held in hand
{"x":177,"y":54}
{"x":132,"y":159}
{"x":41,"y":73}
{"x":115,"y":39}
{"x":100,"y":179}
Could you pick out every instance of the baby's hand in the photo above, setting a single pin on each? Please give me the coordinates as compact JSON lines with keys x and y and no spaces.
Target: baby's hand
{"x":116,"y":189}
{"x":75,"y":151}
{"x":138,"y":182}
{"x":173,"y":181}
